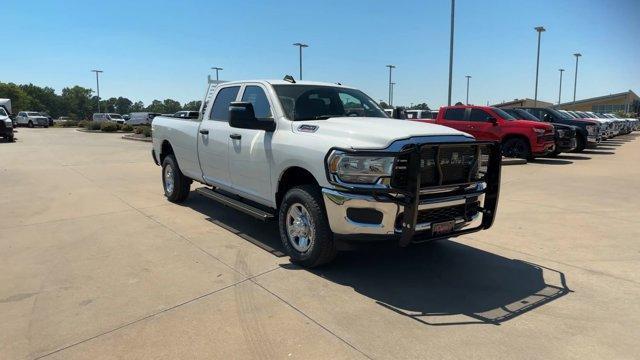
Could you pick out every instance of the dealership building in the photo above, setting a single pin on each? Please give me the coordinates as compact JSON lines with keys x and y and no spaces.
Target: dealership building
{"x":523,"y":103}
{"x":626,"y":101}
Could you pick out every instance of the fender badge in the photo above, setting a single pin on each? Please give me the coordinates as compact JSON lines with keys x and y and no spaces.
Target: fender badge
{"x":308,"y":128}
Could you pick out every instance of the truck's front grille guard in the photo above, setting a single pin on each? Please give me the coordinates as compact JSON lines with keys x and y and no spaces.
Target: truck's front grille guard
{"x":410,"y":194}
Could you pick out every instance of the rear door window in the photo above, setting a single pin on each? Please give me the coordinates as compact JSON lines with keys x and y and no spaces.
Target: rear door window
{"x":478,"y":115}
{"x":220,"y":108}
{"x":454,"y":114}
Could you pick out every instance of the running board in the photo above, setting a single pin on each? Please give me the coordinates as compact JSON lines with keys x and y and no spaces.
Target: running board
{"x":235,"y":204}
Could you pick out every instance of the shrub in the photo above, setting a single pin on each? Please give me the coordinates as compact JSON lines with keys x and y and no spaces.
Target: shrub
{"x":127,"y":128}
{"x":83,"y":124}
{"x":108,"y":126}
{"x":69,"y":123}
{"x":147,"y":131}
{"x":138,"y":130}
{"x":93,"y":125}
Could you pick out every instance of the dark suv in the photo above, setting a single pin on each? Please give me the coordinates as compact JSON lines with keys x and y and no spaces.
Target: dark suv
{"x":565,"y":135}
{"x":587,"y":130}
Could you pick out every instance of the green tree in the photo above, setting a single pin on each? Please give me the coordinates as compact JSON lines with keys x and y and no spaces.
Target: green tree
{"x":138,"y":106}
{"x":171,"y":106}
{"x":156,"y":106}
{"x":20,"y":100}
{"x":77,"y":102}
{"x":422,"y":106}
{"x":123,"y":105}
{"x":192,"y":105}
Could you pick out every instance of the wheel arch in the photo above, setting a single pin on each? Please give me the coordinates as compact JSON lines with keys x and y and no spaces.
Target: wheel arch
{"x":165,"y":149}
{"x":290,"y":177}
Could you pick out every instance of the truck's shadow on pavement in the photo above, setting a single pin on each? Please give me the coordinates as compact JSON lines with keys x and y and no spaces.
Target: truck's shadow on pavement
{"x":442,"y":283}
{"x":448,"y":283}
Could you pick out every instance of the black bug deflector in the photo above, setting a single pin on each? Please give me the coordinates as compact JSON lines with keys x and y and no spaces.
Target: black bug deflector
{"x":427,"y":168}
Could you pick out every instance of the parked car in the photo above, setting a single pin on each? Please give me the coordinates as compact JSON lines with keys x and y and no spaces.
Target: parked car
{"x":6,"y":125}
{"x":289,"y":151}
{"x":518,"y":138}
{"x":141,"y":118}
{"x":587,"y":132}
{"x":565,"y":134}
{"x":31,"y":119}
{"x":117,"y":118}
{"x":126,"y":117}
{"x":420,"y":114}
{"x":6,"y":105}
{"x":62,"y":119}
{"x":49,"y":118}
{"x":186,"y":114}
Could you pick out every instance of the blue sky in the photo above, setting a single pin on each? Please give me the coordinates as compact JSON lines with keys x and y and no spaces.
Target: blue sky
{"x":152,"y":49}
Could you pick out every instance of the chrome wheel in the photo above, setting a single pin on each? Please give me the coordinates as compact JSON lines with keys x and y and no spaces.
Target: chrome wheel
{"x":168,"y":179}
{"x":300,"y":228}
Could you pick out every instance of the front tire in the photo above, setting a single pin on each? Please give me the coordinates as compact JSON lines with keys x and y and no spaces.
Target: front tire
{"x":516,"y":148}
{"x":304,"y":228}
{"x":30,"y":124}
{"x":582,"y":144}
{"x":176,"y":185}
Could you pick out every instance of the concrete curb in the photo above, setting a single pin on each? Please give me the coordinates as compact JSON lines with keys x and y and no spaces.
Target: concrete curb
{"x":102,"y":132}
{"x":129,"y":137}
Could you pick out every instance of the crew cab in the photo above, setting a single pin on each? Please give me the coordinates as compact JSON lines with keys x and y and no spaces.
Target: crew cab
{"x":6,"y":125}
{"x":565,"y":134}
{"x":31,"y":119}
{"x":589,"y":132}
{"x":518,"y":138}
{"x":328,"y":164}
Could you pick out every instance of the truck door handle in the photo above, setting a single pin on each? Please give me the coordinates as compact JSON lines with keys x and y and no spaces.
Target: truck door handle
{"x":235,"y":136}
{"x":204,"y":131}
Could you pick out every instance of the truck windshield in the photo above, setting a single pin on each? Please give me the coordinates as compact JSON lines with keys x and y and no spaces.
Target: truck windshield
{"x":521,"y":114}
{"x":2,"y":112}
{"x":316,"y":102}
{"x":115,"y":116}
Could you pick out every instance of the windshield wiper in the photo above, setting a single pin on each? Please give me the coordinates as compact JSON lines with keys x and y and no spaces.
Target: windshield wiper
{"x":322,"y":117}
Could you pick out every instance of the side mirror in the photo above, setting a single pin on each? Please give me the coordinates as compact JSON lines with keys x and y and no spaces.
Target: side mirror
{"x":398,"y":113}
{"x":546,"y":118}
{"x":492,"y":120}
{"x":242,"y":116}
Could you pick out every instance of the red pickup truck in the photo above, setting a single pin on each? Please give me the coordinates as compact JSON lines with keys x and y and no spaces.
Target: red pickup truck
{"x":519,"y":138}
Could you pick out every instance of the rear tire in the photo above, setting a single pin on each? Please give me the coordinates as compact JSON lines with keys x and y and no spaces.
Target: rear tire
{"x":516,"y":148}
{"x":304,"y":228}
{"x":176,"y":185}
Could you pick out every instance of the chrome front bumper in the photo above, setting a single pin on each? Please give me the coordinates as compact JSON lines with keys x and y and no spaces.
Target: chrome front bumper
{"x":337,"y":203}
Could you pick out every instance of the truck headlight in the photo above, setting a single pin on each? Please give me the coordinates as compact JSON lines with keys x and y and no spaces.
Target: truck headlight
{"x":539,"y":131}
{"x":359,"y":169}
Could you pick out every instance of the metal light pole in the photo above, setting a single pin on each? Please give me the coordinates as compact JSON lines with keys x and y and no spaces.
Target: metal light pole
{"x":468,"y":77}
{"x":300,"y":46}
{"x":97,"y":86}
{"x":575,"y":80}
{"x":217,"y":69}
{"x":560,"y":90}
{"x":453,"y":8}
{"x":392,"y":85}
{"x":540,"y":30}
{"x":390,"y":67}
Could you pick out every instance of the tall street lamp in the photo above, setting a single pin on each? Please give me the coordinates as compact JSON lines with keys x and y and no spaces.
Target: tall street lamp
{"x":468,"y":77}
{"x":300,"y":46}
{"x":453,"y":8}
{"x":97,"y":86}
{"x":560,"y":89}
{"x":540,"y":30}
{"x":391,"y":101}
{"x":390,"y":68}
{"x":575,"y":80}
{"x":217,"y":69}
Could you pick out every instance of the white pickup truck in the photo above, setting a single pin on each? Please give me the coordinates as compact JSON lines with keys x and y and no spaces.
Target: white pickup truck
{"x":330,"y":165}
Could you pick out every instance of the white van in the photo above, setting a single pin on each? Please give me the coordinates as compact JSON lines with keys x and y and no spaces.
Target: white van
{"x":141,"y":118}
{"x":117,"y":118}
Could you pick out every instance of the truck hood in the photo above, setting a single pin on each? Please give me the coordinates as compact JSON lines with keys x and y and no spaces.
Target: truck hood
{"x":368,"y":132}
{"x":538,"y":124}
